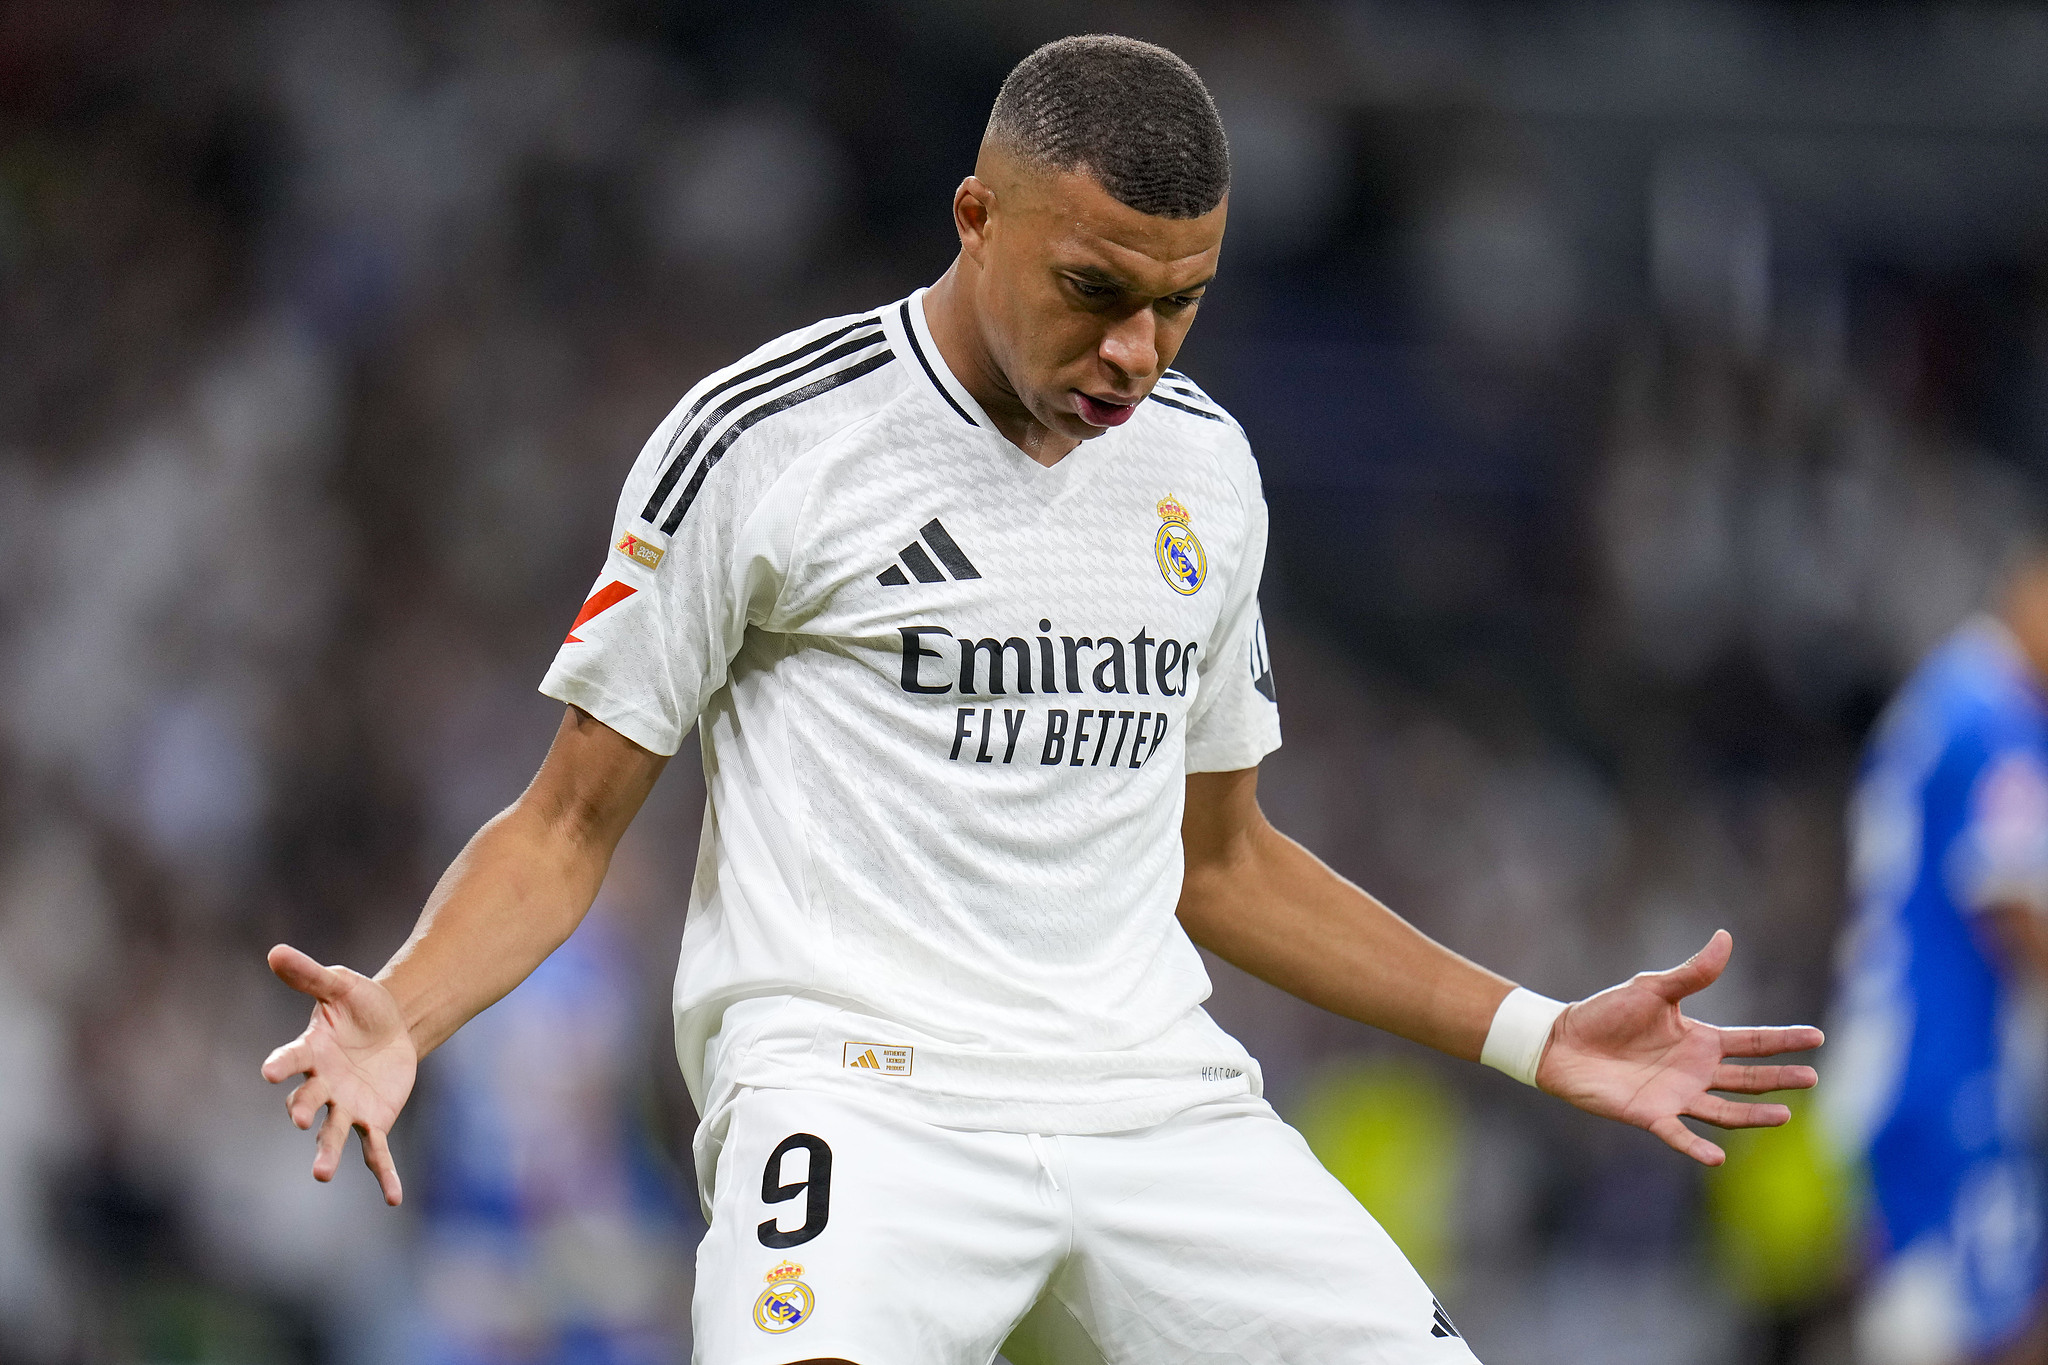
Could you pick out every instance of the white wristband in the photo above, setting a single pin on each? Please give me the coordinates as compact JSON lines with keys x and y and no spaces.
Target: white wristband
{"x":1521,"y":1028}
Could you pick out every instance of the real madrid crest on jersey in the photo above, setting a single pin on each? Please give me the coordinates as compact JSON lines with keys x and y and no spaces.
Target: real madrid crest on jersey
{"x":786,"y":1303}
{"x":1181,"y":559}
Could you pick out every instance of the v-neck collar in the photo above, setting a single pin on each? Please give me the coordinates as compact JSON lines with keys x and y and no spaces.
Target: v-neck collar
{"x":906,"y":320}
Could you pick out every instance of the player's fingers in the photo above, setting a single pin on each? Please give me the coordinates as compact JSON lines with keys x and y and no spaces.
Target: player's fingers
{"x":1734,"y":1114}
{"x":305,"y":1102}
{"x":377,"y":1156}
{"x":294,"y":1058}
{"x":1769,"y":1042}
{"x":1696,"y":973}
{"x":327,"y":1147}
{"x":1761,"y":1080}
{"x":302,"y":973}
{"x":1684,"y":1139}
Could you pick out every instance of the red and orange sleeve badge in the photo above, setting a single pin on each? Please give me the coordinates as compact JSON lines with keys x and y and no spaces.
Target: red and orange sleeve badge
{"x":603,"y":600}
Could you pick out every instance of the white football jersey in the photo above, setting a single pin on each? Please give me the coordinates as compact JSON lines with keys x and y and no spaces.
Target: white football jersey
{"x":947,"y":698}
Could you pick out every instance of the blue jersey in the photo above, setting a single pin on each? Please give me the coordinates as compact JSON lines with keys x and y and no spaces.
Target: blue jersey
{"x":1935,"y":1066}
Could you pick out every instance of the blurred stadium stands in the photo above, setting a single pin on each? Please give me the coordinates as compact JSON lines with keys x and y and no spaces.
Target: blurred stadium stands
{"x":1640,"y":388}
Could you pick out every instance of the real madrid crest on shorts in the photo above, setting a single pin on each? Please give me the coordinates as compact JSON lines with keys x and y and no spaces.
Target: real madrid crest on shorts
{"x":1180,"y":556}
{"x":786,"y":1303}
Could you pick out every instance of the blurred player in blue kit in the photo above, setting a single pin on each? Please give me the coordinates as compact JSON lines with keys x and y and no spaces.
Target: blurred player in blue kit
{"x":1936,"y":1075}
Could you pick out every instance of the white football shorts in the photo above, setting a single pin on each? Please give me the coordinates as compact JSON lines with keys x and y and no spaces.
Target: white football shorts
{"x":843,"y":1228}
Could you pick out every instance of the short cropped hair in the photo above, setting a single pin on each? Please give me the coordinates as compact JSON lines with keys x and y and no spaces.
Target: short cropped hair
{"x":1133,"y":116}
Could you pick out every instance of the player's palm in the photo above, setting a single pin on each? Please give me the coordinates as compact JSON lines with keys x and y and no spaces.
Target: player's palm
{"x":358,"y":1059}
{"x":1630,"y":1053}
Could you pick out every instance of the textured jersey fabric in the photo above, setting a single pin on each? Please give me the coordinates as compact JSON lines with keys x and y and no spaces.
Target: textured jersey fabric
{"x":947,"y":699}
{"x":1935,"y":1062}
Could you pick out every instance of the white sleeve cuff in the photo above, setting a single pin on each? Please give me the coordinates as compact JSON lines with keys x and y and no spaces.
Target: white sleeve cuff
{"x":1521,"y":1027}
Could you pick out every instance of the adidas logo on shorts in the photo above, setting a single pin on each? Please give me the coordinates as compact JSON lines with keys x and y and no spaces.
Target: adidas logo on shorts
{"x":1440,"y":1323}
{"x":890,"y":1061}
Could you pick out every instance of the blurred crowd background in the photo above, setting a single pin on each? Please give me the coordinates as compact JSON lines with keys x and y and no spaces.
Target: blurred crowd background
{"x":1640,"y":388}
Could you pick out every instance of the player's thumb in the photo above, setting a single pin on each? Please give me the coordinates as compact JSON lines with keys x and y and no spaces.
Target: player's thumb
{"x":302,"y":973}
{"x":1696,"y":973}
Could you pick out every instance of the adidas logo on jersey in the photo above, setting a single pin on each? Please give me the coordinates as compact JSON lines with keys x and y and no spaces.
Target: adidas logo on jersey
{"x":1440,"y":1322}
{"x":943,"y":547}
{"x":890,"y":1061}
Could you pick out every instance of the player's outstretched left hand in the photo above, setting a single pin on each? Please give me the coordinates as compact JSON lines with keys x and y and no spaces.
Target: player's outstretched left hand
{"x":1630,"y":1053}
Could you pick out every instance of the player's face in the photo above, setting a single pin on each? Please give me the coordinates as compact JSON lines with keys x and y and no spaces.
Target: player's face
{"x":1085,"y":301}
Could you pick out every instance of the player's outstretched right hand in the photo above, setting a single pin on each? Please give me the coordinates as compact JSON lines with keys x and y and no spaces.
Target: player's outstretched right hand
{"x":357,"y":1057}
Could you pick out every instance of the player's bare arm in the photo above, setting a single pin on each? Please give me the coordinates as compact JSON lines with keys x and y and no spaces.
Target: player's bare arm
{"x":512,"y":896}
{"x":1259,"y":900}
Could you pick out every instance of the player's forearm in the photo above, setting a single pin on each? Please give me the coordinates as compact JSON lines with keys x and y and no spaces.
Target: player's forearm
{"x":511,"y":897}
{"x":524,"y":883}
{"x":1270,"y":906}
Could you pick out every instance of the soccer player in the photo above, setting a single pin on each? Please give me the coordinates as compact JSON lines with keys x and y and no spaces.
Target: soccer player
{"x":1944,"y":1035}
{"x":961,"y":594}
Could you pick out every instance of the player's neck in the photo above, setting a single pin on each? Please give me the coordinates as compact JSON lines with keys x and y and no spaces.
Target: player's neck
{"x":2032,"y":643}
{"x":2024,"y":610}
{"x":950,"y":312}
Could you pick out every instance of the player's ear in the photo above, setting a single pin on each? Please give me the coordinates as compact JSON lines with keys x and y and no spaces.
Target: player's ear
{"x":974,"y":205}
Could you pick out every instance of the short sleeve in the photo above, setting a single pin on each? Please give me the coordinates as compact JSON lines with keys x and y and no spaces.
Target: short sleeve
{"x":667,"y":613}
{"x":2001,"y":856}
{"x":1236,"y":716}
